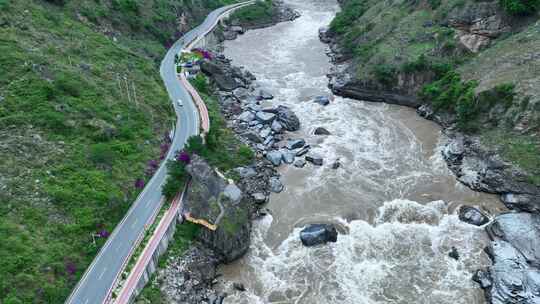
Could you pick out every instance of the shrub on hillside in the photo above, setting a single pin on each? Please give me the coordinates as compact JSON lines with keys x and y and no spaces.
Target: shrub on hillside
{"x":452,"y":94}
{"x":352,"y":10}
{"x":385,"y":74}
{"x":102,"y":154}
{"x":176,"y":178}
{"x":126,"y":6}
{"x":200,"y":83}
{"x":68,"y":84}
{"x":4,"y":4}
{"x":419,"y":65}
{"x":520,"y":7}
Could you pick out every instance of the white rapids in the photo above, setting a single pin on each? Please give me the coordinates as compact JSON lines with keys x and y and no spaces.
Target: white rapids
{"x":401,"y":258}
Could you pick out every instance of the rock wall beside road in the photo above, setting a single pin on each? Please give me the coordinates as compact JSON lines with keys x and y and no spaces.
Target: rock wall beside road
{"x":220,"y":204}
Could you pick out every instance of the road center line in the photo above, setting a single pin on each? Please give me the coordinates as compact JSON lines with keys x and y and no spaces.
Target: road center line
{"x":102,"y":273}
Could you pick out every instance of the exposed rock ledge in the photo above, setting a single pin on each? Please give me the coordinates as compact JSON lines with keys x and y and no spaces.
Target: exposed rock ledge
{"x":483,"y":170}
{"x":514,"y":277}
{"x":222,"y":206}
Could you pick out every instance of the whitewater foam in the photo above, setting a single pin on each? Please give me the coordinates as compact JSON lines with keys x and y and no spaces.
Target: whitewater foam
{"x":401,"y":258}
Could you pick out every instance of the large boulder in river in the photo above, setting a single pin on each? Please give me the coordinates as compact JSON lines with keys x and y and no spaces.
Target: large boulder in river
{"x":325,"y":34}
{"x":288,"y":156}
{"x":322,"y":100}
{"x":303,"y":151}
{"x":253,"y":136}
{"x":524,"y":202}
{"x":321,"y":131}
{"x":300,"y":163}
{"x":220,"y":208}
{"x":229,"y":35}
{"x":318,"y":234}
{"x":276,"y":185}
{"x":237,"y":29}
{"x":287,"y":118}
{"x":514,"y":277}
{"x":522,"y":230}
{"x":316,"y":160}
{"x":242,"y":93}
{"x":472,"y":216}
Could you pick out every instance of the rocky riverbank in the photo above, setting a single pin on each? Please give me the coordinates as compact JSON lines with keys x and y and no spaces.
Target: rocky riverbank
{"x":222,"y":206}
{"x":218,"y":200}
{"x":514,"y":250}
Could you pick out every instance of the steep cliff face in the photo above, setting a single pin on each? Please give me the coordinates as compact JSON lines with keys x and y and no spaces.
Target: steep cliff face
{"x":470,"y":66}
{"x":221,"y":208}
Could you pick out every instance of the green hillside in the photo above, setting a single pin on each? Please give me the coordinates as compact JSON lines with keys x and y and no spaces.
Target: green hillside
{"x":83,"y":114}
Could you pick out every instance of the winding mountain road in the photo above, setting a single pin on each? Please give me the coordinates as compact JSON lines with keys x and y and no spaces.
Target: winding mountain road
{"x":96,"y":284}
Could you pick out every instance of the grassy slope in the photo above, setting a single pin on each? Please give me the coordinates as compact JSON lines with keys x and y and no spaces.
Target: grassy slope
{"x":512,"y":60}
{"x":388,"y":38}
{"x":80,"y":115}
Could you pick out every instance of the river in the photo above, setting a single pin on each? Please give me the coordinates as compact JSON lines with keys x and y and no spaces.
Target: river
{"x":393,"y":199}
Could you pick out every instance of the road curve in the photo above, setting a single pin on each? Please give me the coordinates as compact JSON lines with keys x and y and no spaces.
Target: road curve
{"x":96,"y":283}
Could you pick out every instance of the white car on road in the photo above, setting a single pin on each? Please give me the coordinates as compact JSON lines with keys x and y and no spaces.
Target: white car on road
{"x":180,"y":103}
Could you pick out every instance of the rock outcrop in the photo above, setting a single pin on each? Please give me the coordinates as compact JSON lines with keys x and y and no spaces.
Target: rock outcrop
{"x":514,"y":277}
{"x":221,"y":208}
{"x":226,"y":76}
{"x":477,"y":24}
{"x":482,"y":170}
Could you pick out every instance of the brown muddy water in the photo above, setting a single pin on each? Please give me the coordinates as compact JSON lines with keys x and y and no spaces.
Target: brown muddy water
{"x":393,"y":198}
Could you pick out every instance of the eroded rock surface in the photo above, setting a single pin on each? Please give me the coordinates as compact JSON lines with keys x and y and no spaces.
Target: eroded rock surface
{"x":514,"y":277}
{"x":213,"y":199}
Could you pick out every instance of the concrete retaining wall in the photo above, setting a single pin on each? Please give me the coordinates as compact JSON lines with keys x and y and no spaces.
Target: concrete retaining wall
{"x":153,"y":264}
